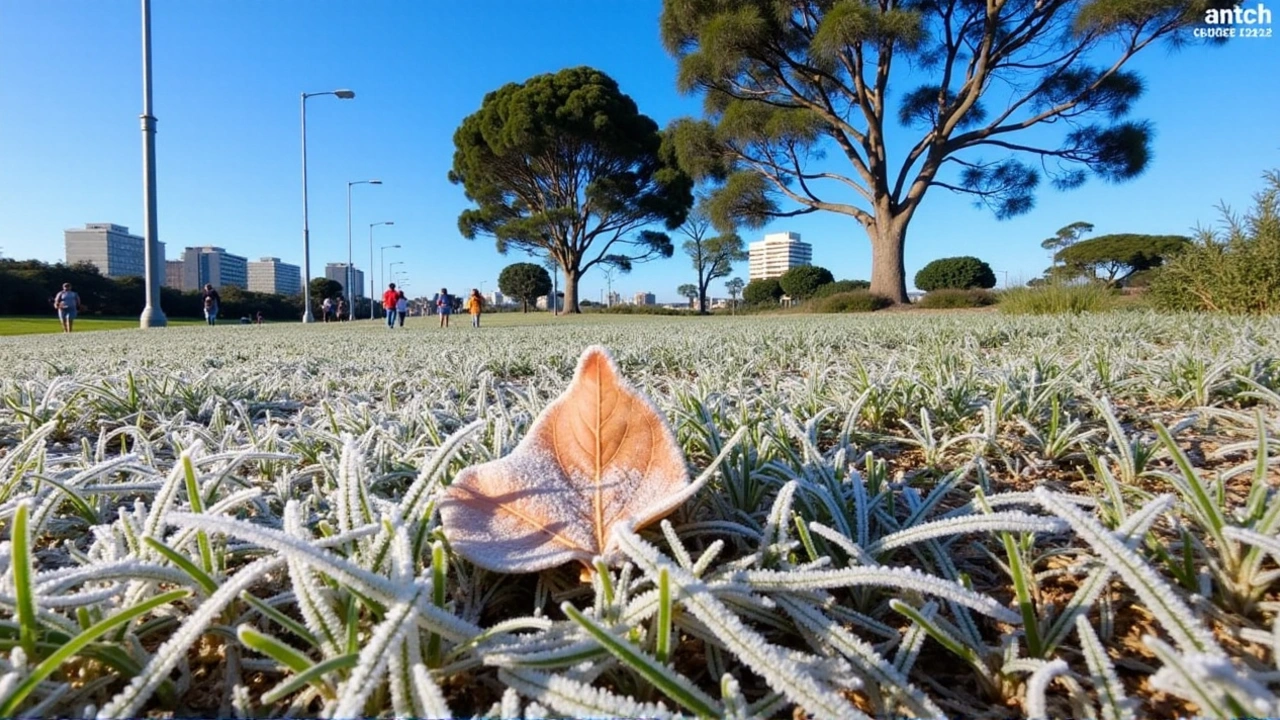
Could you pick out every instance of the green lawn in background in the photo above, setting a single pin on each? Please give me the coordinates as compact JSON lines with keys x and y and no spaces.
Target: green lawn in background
{"x":24,"y":325}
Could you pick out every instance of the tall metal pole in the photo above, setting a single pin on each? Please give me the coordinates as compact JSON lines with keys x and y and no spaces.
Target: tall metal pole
{"x":153,"y":260}
{"x":373,"y":290}
{"x":351,"y":298}
{"x":307,"y":317}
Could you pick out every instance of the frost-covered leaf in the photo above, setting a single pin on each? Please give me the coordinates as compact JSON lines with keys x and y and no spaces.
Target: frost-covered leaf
{"x":599,"y":457}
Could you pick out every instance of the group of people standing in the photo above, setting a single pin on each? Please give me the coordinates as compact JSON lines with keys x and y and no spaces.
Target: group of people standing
{"x":68,"y":304}
{"x":396,"y":306}
{"x":335,"y":310}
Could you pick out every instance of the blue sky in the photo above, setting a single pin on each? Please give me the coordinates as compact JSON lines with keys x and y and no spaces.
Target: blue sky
{"x":227,"y":75}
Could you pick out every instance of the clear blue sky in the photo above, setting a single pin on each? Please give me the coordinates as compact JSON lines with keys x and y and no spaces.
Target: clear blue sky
{"x":227,"y":74}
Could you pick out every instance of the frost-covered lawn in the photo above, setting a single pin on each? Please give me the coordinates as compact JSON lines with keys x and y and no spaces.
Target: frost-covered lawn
{"x":962,"y":514}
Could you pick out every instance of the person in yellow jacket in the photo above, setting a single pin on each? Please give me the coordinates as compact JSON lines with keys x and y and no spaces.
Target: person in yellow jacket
{"x":475,"y":303}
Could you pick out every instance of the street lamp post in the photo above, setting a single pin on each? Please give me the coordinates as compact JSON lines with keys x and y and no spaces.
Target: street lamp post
{"x":351,"y":297}
{"x":152,"y":314}
{"x":390,"y":272}
{"x":373,"y":293}
{"x":307,"y":317}
{"x":382,"y":263}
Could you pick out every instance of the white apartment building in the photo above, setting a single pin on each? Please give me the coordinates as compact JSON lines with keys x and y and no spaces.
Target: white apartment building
{"x":269,"y":275}
{"x":496,"y":298}
{"x":109,"y":247}
{"x":209,"y":265}
{"x":776,"y":254}
{"x":645,"y":298}
{"x":337,"y":272}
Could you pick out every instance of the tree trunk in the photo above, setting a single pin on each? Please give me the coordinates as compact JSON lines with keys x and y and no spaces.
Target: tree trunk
{"x":571,"y":278}
{"x":702,"y":301}
{"x":888,"y":274}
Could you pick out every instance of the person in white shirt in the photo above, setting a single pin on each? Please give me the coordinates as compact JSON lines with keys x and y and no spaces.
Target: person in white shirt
{"x":402,"y":307}
{"x":68,"y":304}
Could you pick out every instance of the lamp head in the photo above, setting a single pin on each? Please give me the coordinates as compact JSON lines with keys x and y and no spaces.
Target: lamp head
{"x":375,"y":182}
{"x":344,"y":94}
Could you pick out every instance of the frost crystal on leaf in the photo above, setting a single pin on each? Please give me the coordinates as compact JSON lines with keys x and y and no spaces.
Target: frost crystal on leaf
{"x":597,"y":458}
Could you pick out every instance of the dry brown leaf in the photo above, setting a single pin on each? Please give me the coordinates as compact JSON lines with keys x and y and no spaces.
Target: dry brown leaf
{"x":600,"y":456}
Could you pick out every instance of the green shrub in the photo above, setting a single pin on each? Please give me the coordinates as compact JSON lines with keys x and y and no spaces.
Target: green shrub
{"x":960,"y":273}
{"x":1236,"y":270}
{"x":951,"y":298}
{"x":855,"y":301}
{"x":840,"y":286}
{"x":1057,"y":299}
{"x":802,"y":281}
{"x":762,"y":291}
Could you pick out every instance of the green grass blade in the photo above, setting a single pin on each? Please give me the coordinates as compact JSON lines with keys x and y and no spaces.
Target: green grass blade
{"x":662,"y":651}
{"x":664,"y":679}
{"x":268,"y":645}
{"x":77,"y":643}
{"x":313,"y":676}
{"x":281,"y":619}
{"x":206,"y":583}
{"x":25,"y":591}
{"x":197,"y":507}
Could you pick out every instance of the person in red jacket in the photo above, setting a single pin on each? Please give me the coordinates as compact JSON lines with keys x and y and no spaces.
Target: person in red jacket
{"x":389,"y":299}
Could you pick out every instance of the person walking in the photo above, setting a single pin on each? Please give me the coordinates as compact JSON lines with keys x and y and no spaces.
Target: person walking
{"x":67,"y":301}
{"x":211,"y":302}
{"x":342,"y":310}
{"x":326,"y":309}
{"x":402,"y":306}
{"x":389,"y":300}
{"x":475,"y":303}
{"x":444,"y":305}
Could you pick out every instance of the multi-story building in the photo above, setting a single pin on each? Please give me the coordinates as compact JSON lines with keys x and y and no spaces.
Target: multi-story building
{"x":645,"y":298}
{"x":209,"y":265}
{"x":497,"y":299}
{"x":776,"y":254}
{"x":337,"y":272}
{"x":109,"y":247}
{"x":269,"y":275}
{"x":173,"y":274}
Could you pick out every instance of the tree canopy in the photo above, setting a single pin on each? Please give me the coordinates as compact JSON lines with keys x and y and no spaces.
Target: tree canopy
{"x":565,"y":165}
{"x":1119,"y":256}
{"x":712,"y":254}
{"x":761,"y":291}
{"x":958,"y":273}
{"x":322,"y":288}
{"x":524,"y":281}
{"x":802,"y":281}
{"x":786,"y":81}
{"x":688,"y":291}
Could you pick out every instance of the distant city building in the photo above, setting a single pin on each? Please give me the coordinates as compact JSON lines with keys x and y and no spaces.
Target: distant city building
{"x":613,"y":298}
{"x":496,"y":298}
{"x":269,"y":275}
{"x":173,"y":274}
{"x":337,"y":272}
{"x":645,"y":298}
{"x":776,"y":254}
{"x":541,"y":303}
{"x":209,"y":265}
{"x":109,"y":247}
